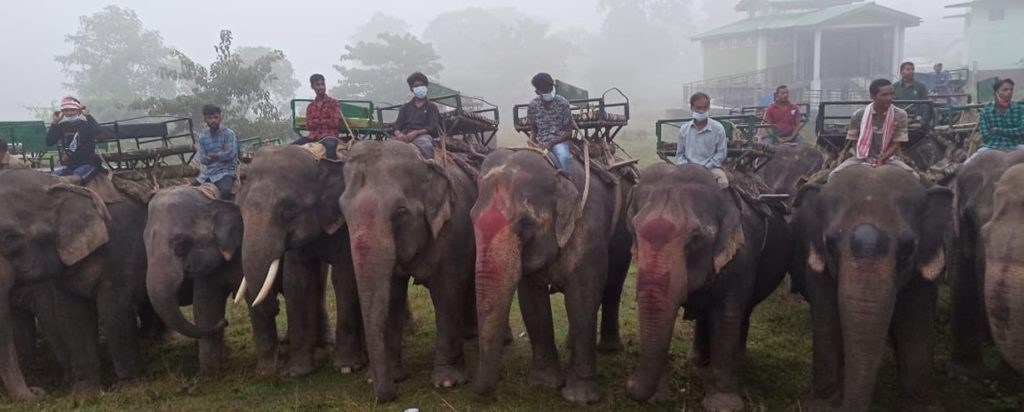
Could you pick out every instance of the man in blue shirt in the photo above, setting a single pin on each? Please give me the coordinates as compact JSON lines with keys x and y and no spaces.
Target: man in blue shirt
{"x":218,"y":153}
{"x":702,"y":141}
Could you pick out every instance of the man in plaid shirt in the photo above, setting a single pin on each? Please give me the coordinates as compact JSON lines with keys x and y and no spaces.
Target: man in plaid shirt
{"x":323,"y":118}
{"x":1002,"y":123}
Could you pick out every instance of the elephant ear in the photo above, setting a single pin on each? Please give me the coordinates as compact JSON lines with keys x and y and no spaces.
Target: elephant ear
{"x":227,"y":229}
{"x":730,"y":237}
{"x":81,"y":219}
{"x":934,"y":224}
{"x":332,"y":185}
{"x":439,"y":198}
{"x":567,"y":202}
{"x":806,"y":222}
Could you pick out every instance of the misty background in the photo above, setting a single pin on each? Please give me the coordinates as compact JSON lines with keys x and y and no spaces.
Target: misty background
{"x":127,"y":58}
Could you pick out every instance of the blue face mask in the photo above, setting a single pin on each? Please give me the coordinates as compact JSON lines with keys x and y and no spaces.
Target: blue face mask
{"x":547,"y":97}
{"x":699,"y":116}
{"x":419,"y":91}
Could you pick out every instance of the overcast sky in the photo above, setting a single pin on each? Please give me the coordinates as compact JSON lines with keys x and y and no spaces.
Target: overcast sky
{"x":33,"y":31}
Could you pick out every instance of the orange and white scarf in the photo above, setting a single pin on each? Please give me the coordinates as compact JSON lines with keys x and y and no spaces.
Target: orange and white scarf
{"x":867,"y":130}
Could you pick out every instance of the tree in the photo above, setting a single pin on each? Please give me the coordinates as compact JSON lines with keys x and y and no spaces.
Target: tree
{"x":282,"y":88}
{"x":377,"y":70}
{"x":240,"y":88}
{"x":516,"y":47}
{"x":379,"y":23}
{"x":114,"y":61}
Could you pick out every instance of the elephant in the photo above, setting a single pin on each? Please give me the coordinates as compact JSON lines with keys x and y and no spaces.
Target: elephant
{"x":704,"y":249}
{"x":869,"y":243}
{"x":981,"y":258}
{"x":289,"y":204}
{"x":789,"y":163}
{"x":533,"y":232}
{"x":407,"y":216}
{"x":85,"y":264}
{"x":193,"y":247}
{"x":1004,"y":267}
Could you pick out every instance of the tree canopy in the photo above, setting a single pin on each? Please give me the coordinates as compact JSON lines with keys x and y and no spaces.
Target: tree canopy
{"x":239,"y":87}
{"x":114,"y":60}
{"x":377,"y":70}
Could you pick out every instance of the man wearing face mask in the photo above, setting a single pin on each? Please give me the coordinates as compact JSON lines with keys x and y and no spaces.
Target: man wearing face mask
{"x":76,"y":130}
{"x":702,"y":141}
{"x":419,"y":119}
{"x":550,"y":119}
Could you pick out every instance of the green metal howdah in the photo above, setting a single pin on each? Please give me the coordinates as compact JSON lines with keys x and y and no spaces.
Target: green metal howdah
{"x":358,"y":114}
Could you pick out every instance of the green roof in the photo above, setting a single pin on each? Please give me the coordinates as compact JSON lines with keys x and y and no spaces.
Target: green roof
{"x":808,"y":19}
{"x":810,"y":4}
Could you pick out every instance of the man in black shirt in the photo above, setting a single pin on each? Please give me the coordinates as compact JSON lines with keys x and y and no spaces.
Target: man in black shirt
{"x":419,"y":119}
{"x":76,"y":131}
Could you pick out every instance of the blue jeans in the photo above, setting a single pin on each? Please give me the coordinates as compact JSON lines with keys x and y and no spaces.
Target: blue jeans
{"x":562,"y":155}
{"x":985,"y":149}
{"x":85,"y":172}
{"x":426,"y":145}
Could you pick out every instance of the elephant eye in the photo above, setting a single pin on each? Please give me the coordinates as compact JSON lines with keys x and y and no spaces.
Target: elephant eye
{"x":696,"y":242}
{"x":11,"y":242}
{"x":181,"y":245}
{"x":289,"y":212}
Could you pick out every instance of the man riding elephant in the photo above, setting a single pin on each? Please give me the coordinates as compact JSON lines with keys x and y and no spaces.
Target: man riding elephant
{"x":76,"y":131}
{"x":877,"y":131}
{"x":702,"y":141}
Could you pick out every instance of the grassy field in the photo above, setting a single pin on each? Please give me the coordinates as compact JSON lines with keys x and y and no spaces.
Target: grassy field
{"x":775,"y":375}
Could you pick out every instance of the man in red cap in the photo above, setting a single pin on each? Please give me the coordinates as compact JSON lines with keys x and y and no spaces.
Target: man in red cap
{"x":76,"y":131}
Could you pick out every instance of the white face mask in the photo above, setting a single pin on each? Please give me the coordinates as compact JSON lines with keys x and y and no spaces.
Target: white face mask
{"x":74,"y":118}
{"x":419,"y":91}
{"x":547,"y":97}
{"x":700,"y":116}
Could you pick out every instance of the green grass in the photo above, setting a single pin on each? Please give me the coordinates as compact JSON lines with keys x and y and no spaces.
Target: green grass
{"x":775,"y":376}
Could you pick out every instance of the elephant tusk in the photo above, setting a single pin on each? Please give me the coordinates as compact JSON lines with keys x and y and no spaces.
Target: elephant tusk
{"x":268,"y":283}
{"x":241,"y":292}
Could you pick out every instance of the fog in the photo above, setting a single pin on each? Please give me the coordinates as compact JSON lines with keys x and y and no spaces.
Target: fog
{"x":642,"y":47}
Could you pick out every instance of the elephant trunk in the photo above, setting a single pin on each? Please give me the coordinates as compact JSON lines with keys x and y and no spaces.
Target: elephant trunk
{"x":373,"y":258}
{"x":164,"y":276}
{"x":262,"y":251}
{"x":498,"y":271}
{"x":1004,"y":295}
{"x":867,"y":298}
{"x":661,"y":289}
{"x":10,"y":370}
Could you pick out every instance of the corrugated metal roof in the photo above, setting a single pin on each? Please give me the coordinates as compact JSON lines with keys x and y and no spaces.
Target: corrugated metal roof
{"x":809,"y":19}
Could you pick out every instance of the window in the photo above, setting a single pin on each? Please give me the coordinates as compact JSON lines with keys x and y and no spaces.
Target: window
{"x":996,"y":14}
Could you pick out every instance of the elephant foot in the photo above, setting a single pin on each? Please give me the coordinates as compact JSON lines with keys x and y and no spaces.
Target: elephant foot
{"x":920,"y":402}
{"x":820,"y":405}
{"x":449,"y":376}
{"x":300,"y":366}
{"x":969,"y":371}
{"x":581,"y":392}
{"x":610,"y":345}
{"x":33,"y":394}
{"x":266,"y":367}
{"x":697,"y":357}
{"x":664,"y":392}
{"x":400,"y":375}
{"x":347,"y":368}
{"x":722,"y":402}
{"x":549,"y":377}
